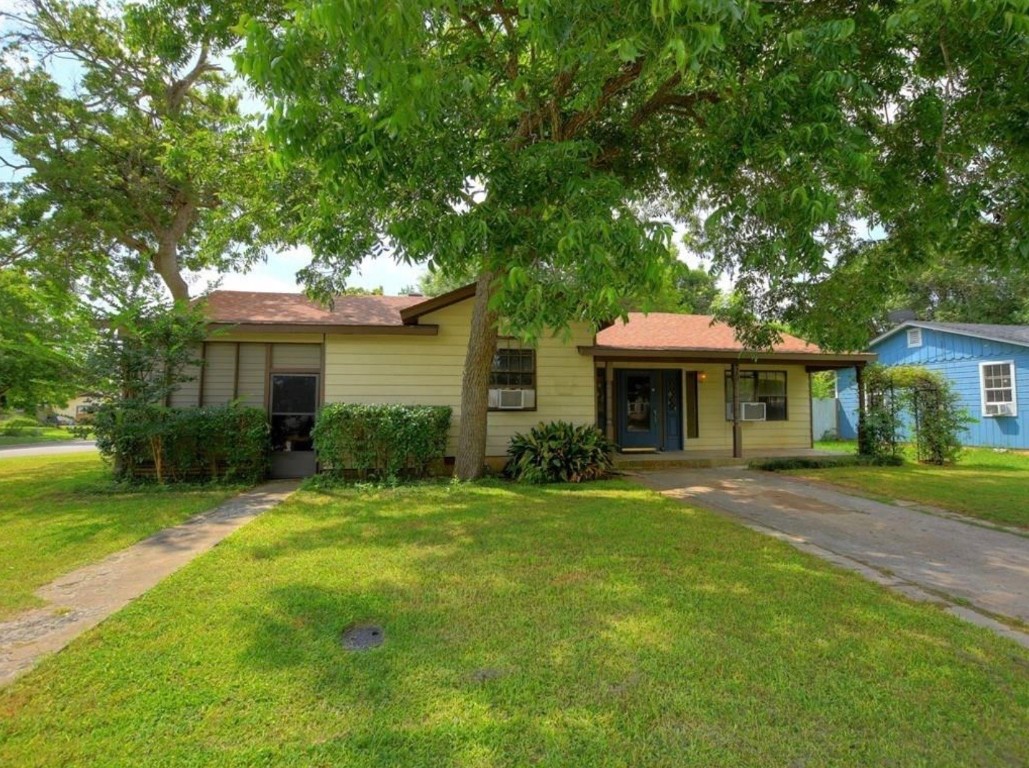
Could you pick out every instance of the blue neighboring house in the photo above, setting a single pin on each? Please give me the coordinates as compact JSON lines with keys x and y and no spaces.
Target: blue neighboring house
{"x":988,"y":365}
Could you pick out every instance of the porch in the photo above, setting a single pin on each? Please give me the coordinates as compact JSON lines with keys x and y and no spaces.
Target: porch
{"x":707,"y":459}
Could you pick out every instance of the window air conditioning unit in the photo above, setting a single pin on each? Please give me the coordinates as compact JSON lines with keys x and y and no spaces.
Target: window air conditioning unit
{"x":511,"y":399}
{"x":1000,"y":409}
{"x":752,"y":411}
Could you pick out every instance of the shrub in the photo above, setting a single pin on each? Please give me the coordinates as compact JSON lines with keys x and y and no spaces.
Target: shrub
{"x":223,"y":443}
{"x":559,"y":452}
{"x":19,"y":425}
{"x":381,"y":441}
{"x":897,"y":393}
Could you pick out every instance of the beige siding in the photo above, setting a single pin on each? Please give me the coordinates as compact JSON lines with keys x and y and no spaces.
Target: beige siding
{"x":187,"y":394}
{"x":291,"y":357}
{"x":252,"y":374}
{"x":426,"y":370}
{"x":219,"y":373}
{"x":715,"y":433}
{"x":291,"y":351}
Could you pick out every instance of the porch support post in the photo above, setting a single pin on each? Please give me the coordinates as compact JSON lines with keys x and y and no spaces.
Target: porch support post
{"x":609,"y":417}
{"x":859,"y":379}
{"x":737,"y":427}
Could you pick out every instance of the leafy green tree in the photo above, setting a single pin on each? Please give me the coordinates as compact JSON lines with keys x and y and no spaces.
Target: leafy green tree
{"x":141,"y":163}
{"x":526,"y":142}
{"x":947,"y":289}
{"x":44,"y":334}
{"x":852,"y":304}
{"x":687,"y":291}
{"x":438,"y":282}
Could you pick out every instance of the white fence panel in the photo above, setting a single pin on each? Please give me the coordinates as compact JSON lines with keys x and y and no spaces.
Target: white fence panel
{"x":823,"y":415}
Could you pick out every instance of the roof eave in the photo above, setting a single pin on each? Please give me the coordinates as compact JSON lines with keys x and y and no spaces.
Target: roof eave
{"x":712,"y":355}
{"x":411,"y":314}
{"x":329,"y":328}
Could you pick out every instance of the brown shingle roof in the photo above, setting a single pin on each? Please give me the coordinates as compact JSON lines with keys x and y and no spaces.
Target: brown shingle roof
{"x":255,"y":308}
{"x":665,"y":331}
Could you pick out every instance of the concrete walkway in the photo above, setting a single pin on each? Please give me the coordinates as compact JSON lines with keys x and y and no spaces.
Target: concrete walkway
{"x":47,"y":449}
{"x":82,"y":599}
{"x":972,"y":571}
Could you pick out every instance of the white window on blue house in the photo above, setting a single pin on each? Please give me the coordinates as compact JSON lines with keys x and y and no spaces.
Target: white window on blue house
{"x":997,"y":387}
{"x":914,"y":337}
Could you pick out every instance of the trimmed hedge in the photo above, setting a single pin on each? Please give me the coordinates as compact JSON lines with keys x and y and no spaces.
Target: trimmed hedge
{"x":559,"y":452}
{"x":222,"y":443}
{"x":824,"y":462}
{"x":381,"y":441}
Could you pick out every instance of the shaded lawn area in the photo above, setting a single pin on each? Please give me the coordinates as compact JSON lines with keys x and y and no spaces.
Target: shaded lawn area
{"x":984,"y":483}
{"x":38,"y":435}
{"x":592,"y":626}
{"x":60,"y":512}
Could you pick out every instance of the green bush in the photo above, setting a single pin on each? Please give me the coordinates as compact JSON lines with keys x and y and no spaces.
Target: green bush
{"x":19,"y":425}
{"x":559,"y":452}
{"x":912,"y":398}
{"x":381,"y":441}
{"x":824,"y":462}
{"x":222,"y":443}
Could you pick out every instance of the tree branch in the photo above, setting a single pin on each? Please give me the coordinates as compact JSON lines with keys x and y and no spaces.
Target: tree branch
{"x":614,"y":85}
{"x":178,"y":90}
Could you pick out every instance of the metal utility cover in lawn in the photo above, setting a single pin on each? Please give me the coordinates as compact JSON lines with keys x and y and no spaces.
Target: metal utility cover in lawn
{"x":363,"y":637}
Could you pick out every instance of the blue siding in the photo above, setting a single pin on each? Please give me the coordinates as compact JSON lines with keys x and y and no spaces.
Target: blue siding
{"x":957,"y":357}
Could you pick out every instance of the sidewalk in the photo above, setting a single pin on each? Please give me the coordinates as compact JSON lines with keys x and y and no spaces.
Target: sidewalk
{"x":83,"y":598}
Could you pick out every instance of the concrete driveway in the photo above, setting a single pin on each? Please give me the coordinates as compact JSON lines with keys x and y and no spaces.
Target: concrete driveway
{"x":47,"y":449}
{"x":973,"y":571}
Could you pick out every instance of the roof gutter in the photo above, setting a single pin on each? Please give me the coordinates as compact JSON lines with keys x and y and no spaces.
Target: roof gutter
{"x":843,"y":360}
{"x":331,"y":330}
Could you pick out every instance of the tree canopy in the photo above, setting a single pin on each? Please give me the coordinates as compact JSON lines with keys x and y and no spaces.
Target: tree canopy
{"x":545,"y":146}
{"x":44,"y":334}
{"x":127,"y":147}
{"x":526,"y":138}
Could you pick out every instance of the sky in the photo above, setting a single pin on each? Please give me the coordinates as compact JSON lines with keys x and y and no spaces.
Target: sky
{"x":278,"y":275}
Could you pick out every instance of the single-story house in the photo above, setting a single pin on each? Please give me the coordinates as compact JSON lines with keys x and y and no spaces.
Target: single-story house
{"x":655,"y":382}
{"x":988,"y":366}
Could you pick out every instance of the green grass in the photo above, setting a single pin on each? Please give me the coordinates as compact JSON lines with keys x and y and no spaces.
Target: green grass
{"x":60,"y":512}
{"x":837,"y":446}
{"x":38,"y":435}
{"x":984,"y":483}
{"x":592,"y":626}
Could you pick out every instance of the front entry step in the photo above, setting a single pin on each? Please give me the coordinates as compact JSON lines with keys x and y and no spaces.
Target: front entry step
{"x":290,"y":464}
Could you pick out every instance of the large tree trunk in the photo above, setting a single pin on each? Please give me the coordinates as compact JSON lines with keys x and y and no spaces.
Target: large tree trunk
{"x":166,"y":259}
{"x":482,"y":344}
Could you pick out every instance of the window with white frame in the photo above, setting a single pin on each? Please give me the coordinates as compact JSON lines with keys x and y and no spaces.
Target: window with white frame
{"x":997,"y":388}
{"x":512,"y":380}
{"x":914,"y":337}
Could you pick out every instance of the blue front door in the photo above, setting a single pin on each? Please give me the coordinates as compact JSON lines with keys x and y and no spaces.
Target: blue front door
{"x":639,"y":405}
{"x":650,"y":409}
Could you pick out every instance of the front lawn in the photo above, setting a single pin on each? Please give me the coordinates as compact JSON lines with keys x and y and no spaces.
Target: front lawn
{"x":591,"y":626}
{"x":38,"y":435}
{"x":987,"y":484}
{"x":60,"y":512}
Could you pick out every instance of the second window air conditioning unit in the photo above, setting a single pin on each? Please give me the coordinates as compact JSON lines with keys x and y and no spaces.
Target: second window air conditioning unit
{"x":752,"y":411}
